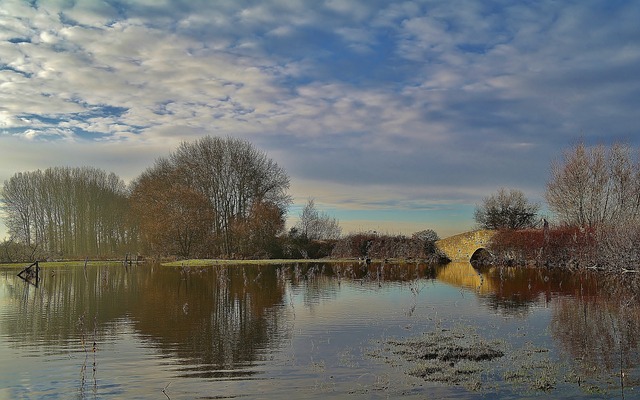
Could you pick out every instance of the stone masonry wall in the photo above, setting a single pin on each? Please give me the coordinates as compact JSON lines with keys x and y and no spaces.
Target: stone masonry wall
{"x":462,"y":246}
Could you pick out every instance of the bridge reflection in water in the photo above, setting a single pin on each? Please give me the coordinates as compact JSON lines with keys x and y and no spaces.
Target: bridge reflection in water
{"x":515,"y":289}
{"x":463,"y":274}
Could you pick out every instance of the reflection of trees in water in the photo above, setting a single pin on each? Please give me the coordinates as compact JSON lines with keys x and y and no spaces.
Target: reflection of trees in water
{"x":215,"y":318}
{"x":224,"y":317}
{"x":360,"y":271}
{"x":600,"y":333}
{"x":219,"y":319}
{"x":51,"y":313}
{"x":321,"y":281}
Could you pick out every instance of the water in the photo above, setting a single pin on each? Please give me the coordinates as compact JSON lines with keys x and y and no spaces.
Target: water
{"x":314,"y":331}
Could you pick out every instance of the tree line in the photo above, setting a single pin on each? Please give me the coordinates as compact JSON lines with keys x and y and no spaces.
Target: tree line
{"x":68,"y":211}
{"x":212,"y":197}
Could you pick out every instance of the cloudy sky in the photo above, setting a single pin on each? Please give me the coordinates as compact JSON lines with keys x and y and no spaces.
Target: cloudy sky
{"x":393,"y":115}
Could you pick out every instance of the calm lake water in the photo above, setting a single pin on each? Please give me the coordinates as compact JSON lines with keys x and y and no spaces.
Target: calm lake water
{"x":317,"y":331}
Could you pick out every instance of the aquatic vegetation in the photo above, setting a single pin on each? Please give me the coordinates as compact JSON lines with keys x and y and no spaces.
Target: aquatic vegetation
{"x":454,"y":357}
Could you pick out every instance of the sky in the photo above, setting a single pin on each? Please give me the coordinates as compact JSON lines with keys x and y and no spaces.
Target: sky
{"x":394,"y":116}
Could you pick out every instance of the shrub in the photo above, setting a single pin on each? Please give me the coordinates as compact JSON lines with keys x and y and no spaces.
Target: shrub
{"x":374,"y":245}
{"x":562,"y":246}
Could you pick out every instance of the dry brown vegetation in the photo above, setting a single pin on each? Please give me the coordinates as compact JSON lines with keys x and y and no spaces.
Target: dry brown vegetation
{"x":376,"y":246}
{"x":613,"y":249}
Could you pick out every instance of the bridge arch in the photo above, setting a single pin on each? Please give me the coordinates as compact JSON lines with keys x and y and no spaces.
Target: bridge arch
{"x":464,"y":246}
{"x":481,"y":256}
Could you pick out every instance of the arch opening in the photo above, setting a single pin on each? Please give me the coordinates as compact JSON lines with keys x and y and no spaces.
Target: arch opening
{"x":481,"y":257}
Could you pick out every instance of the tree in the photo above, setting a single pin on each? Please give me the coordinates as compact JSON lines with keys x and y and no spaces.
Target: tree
{"x":594,"y":187}
{"x":314,"y":235}
{"x":231,"y":175}
{"x":506,"y":209}
{"x":428,"y":237}
{"x":17,"y":194}
{"x":317,"y":225}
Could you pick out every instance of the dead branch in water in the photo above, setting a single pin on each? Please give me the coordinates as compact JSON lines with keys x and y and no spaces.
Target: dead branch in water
{"x":29,"y":274}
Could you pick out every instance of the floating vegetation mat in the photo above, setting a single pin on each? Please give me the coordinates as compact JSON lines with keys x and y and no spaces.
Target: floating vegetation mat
{"x":454,"y":357}
{"x":461,"y":357}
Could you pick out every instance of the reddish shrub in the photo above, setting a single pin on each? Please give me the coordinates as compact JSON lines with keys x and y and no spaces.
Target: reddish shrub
{"x":373,"y":245}
{"x":569,"y":246}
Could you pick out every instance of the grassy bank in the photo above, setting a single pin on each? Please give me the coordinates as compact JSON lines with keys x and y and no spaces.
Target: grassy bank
{"x":212,"y":262}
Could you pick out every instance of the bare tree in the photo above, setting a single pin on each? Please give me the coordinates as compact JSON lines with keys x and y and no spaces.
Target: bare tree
{"x":506,"y":209}
{"x":317,"y":225}
{"x":595,"y":186}
{"x":233,"y":176}
{"x":17,"y":194}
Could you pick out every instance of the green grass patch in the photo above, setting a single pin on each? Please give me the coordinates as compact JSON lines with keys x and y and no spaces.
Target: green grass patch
{"x":214,"y":262}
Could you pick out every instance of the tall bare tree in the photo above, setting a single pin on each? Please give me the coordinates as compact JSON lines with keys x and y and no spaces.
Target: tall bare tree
{"x":233,"y":176}
{"x":17,"y":194}
{"x":595,"y":186}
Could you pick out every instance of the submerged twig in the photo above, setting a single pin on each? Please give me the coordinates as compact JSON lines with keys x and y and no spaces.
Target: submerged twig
{"x":164,"y":390}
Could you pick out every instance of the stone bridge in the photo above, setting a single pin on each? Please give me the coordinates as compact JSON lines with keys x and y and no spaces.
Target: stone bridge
{"x":464,"y":246}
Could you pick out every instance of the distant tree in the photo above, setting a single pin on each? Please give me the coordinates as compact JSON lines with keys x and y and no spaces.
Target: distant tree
{"x":595,"y":186}
{"x":506,"y":209}
{"x":314,"y":235}
{"x":317,"y":225}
